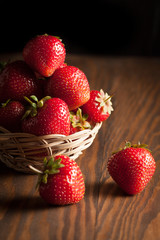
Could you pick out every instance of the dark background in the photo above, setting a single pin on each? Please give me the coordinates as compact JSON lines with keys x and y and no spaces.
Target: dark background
{"x":112,"y":27}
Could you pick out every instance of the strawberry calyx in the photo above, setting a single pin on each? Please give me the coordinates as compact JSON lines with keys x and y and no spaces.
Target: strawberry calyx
{"x":79,"y":120}
{"x":137,"y":145}
{"x":51,"y":167}
{"x":105,"y":102}
{"x":129,"y":145}
{"x":34,"y":104}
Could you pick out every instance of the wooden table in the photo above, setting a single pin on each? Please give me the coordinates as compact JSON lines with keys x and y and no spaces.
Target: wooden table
{"x":105,"y":213}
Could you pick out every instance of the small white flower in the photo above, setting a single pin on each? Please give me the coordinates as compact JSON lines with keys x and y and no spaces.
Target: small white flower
{"x":105,"y":102}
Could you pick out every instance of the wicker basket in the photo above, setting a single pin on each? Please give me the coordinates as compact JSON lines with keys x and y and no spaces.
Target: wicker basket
{"x":20,"y":150}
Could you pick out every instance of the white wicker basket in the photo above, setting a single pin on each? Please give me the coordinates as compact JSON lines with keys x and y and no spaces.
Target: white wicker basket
{"x":20,"y":150}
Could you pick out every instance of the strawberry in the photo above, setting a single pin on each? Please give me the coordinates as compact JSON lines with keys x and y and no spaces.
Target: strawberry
{"x":70,"y":84}
{"x":61,"y":182}
{"x":16,"y":81}
{"x":132,"y":167}
{"x":99,"y":106}
{"x":44,"y":53}
{"x":47,"y":116}
{"x":62,"y":65}
{"x":11,"y":114}
{"x":78,"y":121}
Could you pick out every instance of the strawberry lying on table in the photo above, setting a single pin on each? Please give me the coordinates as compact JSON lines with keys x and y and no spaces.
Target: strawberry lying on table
{"x":61,"y":181}
{"x":132,"y":167}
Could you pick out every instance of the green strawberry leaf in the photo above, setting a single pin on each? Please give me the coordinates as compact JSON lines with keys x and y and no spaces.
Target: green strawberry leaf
{"x":51,"y":166}
{"x":34,"y":98}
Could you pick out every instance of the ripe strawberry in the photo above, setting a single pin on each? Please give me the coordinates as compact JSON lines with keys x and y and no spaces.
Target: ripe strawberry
{"x":16,"y":81}
{"x":61,"y":182}
{"x":132,"y":167}
{"x":47,"y":116}
{"x":99,"y":106}
{"x":11,"y":114}
{"x":78,"y":121}
{"x":62,"y":65}
{"x":70,"y":84}
{"x":44,"y":53}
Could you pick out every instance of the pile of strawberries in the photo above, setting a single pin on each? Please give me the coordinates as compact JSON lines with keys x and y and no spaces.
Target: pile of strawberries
{"x":43,"y":95}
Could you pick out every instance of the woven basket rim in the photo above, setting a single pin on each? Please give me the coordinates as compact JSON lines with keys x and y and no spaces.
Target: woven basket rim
{"x":19,"y":150}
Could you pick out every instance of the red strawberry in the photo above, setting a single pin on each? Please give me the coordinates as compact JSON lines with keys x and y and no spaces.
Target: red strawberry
{"x":61,"y":182}
{"x":16,"y":81}
{"x":132,"y":167}
{"x":47,"y":116}
{"x":44,"y":54}
{"x":62,"y":65}
{"x":99,"y":106}
{"x":70,"y":84}
{"x":78,"y":121}
{"x":11,"y":114}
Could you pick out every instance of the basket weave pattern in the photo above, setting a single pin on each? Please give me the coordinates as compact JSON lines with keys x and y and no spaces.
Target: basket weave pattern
{"x":19,"y":150}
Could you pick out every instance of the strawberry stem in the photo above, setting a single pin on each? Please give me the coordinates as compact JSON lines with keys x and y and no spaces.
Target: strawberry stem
{"x":34,"y":105}
{"x":41,"y":102}
{"x":108,"y":98}
{"x":32,"y":109}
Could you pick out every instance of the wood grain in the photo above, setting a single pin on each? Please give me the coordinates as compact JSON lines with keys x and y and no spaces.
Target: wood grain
{"x":105,"y":212}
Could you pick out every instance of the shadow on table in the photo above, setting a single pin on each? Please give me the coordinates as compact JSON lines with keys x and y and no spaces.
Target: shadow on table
{"x":105,"y":189}
{"x":25,"y":204}
{"x":6,"y":171}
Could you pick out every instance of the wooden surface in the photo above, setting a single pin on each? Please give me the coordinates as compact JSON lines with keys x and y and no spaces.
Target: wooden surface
{"x":105,"y":213}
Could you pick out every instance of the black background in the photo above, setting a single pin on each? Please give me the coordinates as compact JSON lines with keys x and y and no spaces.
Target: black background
{"x":112,"y":27}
